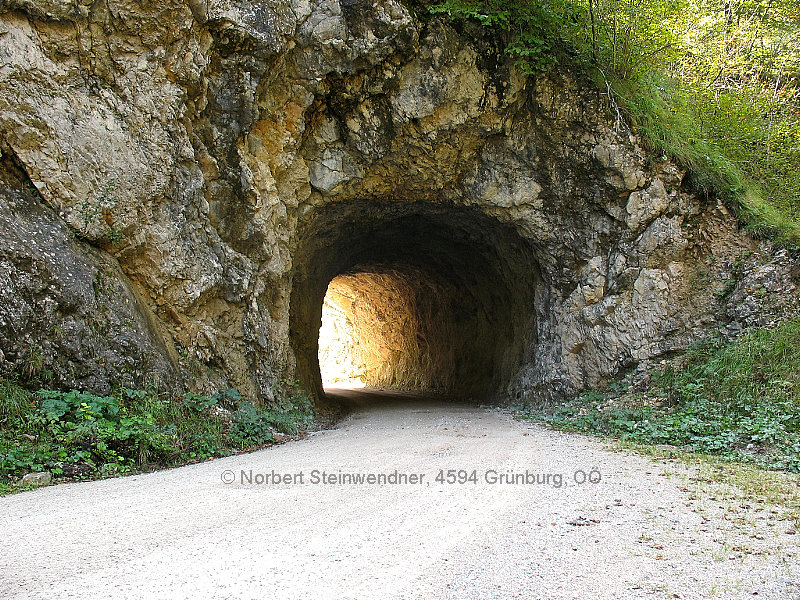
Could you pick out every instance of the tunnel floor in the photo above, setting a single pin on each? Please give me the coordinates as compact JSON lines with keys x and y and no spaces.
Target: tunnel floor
{"x":368,"y":399}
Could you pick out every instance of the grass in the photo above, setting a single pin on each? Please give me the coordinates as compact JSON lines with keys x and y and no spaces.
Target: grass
{"x":15,"y":401}
{"x":673,"y":124}
{"x":733,"y":478}
{"x":738,"y":400}
{"x":76,"y":435}
{"x":7,"y":488}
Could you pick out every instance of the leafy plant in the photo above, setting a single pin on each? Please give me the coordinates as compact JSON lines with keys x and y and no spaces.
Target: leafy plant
{"x":199,"y":403}
{"x":251,"y":427}
{"x":739,"y":399}
{"x":77,"y":434}
{"x":531,"y":26}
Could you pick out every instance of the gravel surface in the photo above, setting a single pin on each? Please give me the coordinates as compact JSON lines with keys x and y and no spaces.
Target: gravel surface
{"x":185,"y":533}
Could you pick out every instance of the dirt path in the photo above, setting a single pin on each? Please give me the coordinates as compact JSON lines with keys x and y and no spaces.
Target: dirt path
{"x":185,"y":533}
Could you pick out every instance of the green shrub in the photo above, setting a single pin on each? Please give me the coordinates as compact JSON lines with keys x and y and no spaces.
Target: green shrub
{"x":532,"y":27}
{"x":251,"y":427}
{"x":97,"y":430}
{"x":739,"y":399}
{"x":256,"y":426}
{"x":78,"y":434}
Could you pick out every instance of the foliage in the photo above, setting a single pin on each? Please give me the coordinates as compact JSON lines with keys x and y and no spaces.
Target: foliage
{"x":761,"y":137}
{"x":629,"y":37}
{"x":254,"y":426}
{"x":739,"y":399}
{"x":713,"y":84}
{"x":532,"y":26}
{"x":621,"y":37}
{"x":76,"y":434}
{"x":251,"y":426}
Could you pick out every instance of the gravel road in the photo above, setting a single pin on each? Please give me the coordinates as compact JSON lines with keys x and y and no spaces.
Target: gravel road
{"x":223,"y":529}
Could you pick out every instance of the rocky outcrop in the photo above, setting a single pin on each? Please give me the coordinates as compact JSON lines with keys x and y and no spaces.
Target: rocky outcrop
{"x":69,"y":316}
{"x":763,"y":290}
{"x":232,"y":157}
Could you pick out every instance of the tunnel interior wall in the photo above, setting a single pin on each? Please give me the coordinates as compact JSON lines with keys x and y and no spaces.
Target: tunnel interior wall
{"x":232,"y":157}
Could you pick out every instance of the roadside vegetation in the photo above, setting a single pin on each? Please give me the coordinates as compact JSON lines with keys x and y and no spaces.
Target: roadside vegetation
{"x":738,"y":400}
{"x":75,"y":435}
{"x":712,"y":84}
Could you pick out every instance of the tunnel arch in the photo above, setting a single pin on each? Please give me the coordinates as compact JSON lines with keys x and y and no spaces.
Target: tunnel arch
{"x":471,"y":279}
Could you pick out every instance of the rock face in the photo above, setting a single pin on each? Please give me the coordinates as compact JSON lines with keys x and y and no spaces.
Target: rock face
{"x":230,"y":158}
{"x":69,"y":314}
{"x":764,"y":289}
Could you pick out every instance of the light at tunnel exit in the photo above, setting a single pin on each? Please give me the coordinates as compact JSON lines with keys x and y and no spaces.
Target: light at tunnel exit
{"x":339,"y":359}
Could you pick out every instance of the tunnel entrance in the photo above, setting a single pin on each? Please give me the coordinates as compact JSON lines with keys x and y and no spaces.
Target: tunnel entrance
{"x":412,"y":297}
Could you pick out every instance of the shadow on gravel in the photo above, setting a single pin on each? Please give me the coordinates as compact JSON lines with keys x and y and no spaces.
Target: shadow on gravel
{"x":350,"y":400}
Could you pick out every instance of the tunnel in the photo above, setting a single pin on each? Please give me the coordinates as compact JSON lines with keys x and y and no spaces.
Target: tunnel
{"x":436,"y":298}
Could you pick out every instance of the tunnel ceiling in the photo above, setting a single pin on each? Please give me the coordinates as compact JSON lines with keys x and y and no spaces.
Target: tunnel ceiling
{"x":219,"y":162}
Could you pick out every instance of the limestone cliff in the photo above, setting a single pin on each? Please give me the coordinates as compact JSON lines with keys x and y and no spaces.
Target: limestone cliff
{"x":216,"y":163}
